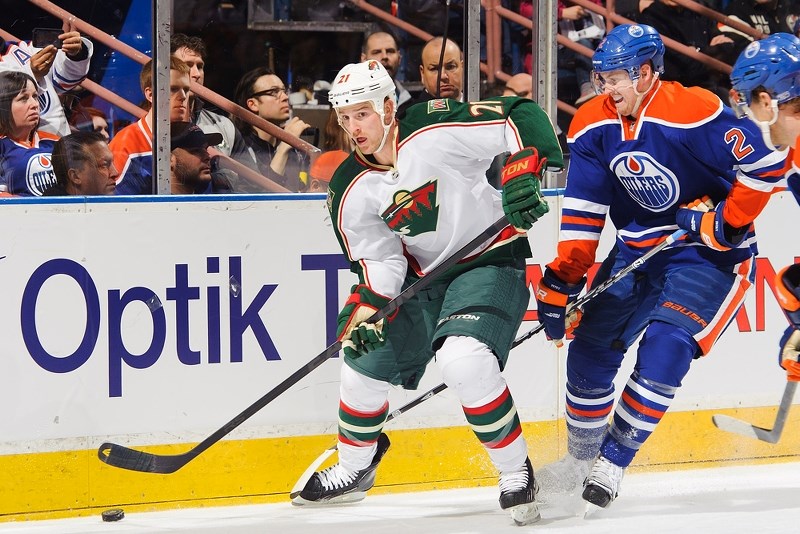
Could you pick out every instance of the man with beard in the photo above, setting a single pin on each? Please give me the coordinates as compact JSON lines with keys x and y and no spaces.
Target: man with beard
{"x":382,"y":46}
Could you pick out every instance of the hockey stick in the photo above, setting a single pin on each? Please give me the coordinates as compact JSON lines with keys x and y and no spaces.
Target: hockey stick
{"x":146,"y":462}
{"x":737,"y":426}
{"x":301,"y":482}
{"x":578,"y":304}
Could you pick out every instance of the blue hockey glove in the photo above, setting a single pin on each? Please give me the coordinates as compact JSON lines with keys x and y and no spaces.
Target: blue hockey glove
{"x":523,"y":202}
{"x":709,"y":227}
{"x":358,"y":337}
{"x":552,"y":298}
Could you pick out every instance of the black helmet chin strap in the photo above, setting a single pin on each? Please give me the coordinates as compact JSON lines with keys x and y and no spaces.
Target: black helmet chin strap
{"x":444,"y":45}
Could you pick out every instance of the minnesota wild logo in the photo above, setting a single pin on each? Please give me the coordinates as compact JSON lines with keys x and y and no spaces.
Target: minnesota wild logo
{"x":413,"y":212}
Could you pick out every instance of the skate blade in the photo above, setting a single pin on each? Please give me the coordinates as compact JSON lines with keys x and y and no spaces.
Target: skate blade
{"x":347,"y":498}
{"x":590,"y":509}
{"x":525,"y":514}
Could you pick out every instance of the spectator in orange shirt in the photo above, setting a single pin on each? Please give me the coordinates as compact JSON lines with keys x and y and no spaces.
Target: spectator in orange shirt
{"x":133,"y":145}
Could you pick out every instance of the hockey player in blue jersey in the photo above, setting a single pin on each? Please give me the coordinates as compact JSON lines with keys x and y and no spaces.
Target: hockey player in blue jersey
{"x":640,"y":154}
{"x":766,"y":82}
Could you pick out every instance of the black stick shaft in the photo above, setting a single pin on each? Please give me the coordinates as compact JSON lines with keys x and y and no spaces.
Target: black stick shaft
{"x":126,"y":458}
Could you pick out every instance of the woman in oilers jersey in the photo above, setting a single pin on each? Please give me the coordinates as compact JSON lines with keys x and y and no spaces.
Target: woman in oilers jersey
{"x":25,"y":154}
{"x":412,"y":194}
{"x":653,"y":157}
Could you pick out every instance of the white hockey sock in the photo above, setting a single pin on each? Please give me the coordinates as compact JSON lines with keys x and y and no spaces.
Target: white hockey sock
{"x":363,"y":395}
{"x":471,"y":369}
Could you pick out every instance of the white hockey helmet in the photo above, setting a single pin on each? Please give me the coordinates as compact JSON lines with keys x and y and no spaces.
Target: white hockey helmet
{"x":362,"y":82}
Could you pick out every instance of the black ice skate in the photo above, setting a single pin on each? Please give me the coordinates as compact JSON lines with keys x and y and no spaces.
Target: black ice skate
{"x":602,"y":485}
{"x":518,"y":495}
{"x":336,"y":485}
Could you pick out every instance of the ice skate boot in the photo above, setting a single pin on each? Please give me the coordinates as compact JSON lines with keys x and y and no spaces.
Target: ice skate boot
{"x":337,"y":485}
{"x":518,"y":495}
{"x":602,"y":485}
{"x":562,"y":477}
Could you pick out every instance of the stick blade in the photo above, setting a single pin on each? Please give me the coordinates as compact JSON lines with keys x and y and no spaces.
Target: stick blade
{"x":737,"y":426}
{"x":309,"y":472}
{"x":133,"y":460}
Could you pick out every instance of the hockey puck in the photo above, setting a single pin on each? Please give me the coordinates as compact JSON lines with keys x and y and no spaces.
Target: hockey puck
{"x":114,"y":514}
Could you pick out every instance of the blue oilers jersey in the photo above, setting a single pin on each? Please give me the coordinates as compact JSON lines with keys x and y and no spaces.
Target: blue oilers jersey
{"x":27,"y":170}
{"x":684,"y":145}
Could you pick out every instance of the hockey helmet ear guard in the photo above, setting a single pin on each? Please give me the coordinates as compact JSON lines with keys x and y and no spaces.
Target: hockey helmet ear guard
{"x":627,"y":47}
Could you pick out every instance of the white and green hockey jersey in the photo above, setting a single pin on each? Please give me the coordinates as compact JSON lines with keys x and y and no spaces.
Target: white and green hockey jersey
{"x":394,"y":221}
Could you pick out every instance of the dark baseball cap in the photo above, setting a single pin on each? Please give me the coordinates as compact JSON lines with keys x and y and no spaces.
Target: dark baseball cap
{"x":188,"y":135}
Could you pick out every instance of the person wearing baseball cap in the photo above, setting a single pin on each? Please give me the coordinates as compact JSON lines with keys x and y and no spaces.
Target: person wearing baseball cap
{"x":190,"y":163}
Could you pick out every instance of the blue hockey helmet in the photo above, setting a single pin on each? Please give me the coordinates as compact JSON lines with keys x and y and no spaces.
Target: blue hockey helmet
{"x":772,"y":63}
{"x":628,"y":47}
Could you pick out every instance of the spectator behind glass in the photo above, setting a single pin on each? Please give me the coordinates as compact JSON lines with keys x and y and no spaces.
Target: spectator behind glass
{"x":382,"y":46}
{"x":133,"y":145}
{"x":26,"y":167}
{"x":323,"y":168}
{"x":54,"y":71}
{"x":192,"y":50}
{"x":190,"y":162}
{"x":452,"y":72}
{"x":672,"y":20}
{"x":585,"y":28}
{"x":83,"y":165}
{"x":763,"y":15}
{"x":87,"y":119}
{"x":519,"y":85}
{"x":262,"y":92}
{"x":335,"y":136}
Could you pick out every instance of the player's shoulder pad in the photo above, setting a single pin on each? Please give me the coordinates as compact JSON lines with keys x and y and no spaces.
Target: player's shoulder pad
{"x":681,"y":105}
{"x":346,"y":173}
{"x":592,"y":113}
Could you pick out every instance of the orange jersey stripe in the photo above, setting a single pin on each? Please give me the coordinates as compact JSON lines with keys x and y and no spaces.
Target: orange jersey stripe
{"x":641,"y":408}
{"x":722,"y":320}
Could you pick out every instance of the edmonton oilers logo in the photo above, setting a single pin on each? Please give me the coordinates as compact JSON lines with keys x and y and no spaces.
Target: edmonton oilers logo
{"x":752,"y":49}
{"x":635,"y":31}
{"x":649,"y":183}
{"x":40,"y":175}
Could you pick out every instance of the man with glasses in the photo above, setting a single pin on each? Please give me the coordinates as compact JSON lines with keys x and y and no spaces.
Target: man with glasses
{"x":262,"y":92}
{"x":640,"y":153}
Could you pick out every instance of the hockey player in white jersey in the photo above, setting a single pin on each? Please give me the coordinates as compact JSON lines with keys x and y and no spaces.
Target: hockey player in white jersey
{"x":766,"y":85}
{"x":413,"y":193}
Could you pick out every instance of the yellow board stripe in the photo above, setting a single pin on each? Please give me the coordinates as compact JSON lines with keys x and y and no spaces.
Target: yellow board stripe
{"x":76,"y":483}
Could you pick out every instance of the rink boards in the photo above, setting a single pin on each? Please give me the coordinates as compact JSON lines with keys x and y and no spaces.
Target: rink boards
{"x":153,"y":322}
